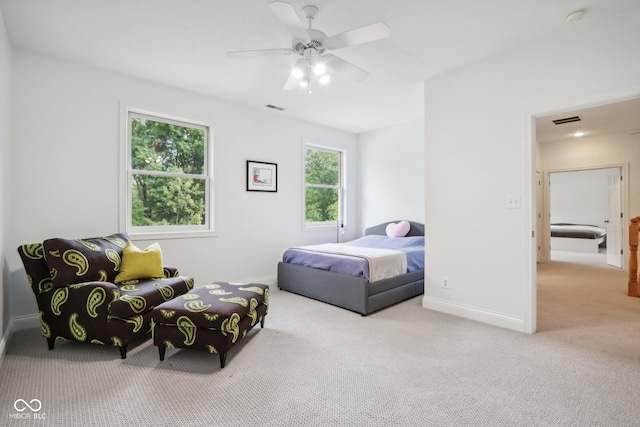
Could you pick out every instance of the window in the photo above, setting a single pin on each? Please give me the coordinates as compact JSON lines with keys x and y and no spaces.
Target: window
{"x":323,"y":188}
{"x":168,"y":175}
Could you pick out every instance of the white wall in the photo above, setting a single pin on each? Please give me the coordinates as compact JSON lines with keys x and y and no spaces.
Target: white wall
{"x":5,"y":164}
{"x":478,"y":126}
{"x":66,"y":183}
{"x":580,"y":196}
{"x":391,"y":179}
{"x":599,"y":151}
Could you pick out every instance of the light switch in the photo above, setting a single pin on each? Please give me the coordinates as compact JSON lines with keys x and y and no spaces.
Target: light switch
{"x":513,"y":202}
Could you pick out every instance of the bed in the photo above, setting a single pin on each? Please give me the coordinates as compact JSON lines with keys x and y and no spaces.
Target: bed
{"x":577,"y":237}
{"x":360,"y":293}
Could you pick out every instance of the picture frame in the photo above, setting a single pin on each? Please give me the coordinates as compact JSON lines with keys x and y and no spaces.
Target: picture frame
{"x":262,"y":176}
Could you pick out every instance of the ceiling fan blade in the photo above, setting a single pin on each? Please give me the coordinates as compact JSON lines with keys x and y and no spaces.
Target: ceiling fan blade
{"x":366,"y":34}
{"x":263,"y":52}
{"x":287,"y":15}
{"x":345,"y":68}
{"x":291,"y":83}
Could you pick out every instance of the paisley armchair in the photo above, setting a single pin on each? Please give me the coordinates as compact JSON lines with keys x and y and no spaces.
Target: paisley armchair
{"x":78,"y":299}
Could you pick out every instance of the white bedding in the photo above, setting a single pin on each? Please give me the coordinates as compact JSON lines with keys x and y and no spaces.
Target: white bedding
{"x":383,"y":263}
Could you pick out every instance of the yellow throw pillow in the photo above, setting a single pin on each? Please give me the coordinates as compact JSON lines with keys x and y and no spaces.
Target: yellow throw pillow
{"x":137,"y":264}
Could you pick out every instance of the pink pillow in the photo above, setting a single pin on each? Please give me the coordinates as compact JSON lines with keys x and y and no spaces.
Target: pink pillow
{"x":398,"y":230}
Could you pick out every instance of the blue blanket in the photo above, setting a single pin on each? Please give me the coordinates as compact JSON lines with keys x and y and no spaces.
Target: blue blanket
{"x":413,"y":248}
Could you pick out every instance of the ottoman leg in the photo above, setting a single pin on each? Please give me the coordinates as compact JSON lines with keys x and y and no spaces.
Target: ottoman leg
{"x":262,"y":322}
{"x":161,"y":350}
{"x":223,"y":359}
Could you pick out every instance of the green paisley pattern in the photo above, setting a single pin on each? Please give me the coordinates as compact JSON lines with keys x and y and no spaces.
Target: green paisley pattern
{"x":34,"y":251}
{"x":253,"y":304}
{"x":59,"y":297}
{"x":137,"y":304}
{"x":114,"y":257}
{"x":254,"y":289}
{"x":77,"y":330}
{"x":76,"y":259}
{"x":89,"y":245}
{"x":117,"y":341}
{"x":266,"y":298}
{"x":238,"y":283}
{"x":188,"y":329}
{"x":96,"y":297}
{"x":212,"y":286}
{"x":168,"y":344}
{"x":220,"y":292}
{"x":168,"y":314}
{"x":94,"y":341}
{"x":196,"y":306}
{"x":44,"y":285}
{"x":236,"y":300}
{"x":116,"y":241}
{"x":167,"y":291}
{"x":230,"y":326}
{"x":55,"y":253}
{"x":211,"y":317}
{"x":136,"y":321}
{"x":211,"y":348}
{"x":190,"y":296}
{"x":129,"y":286}
{"x":46,"y":329}
{"x":189,"y":281}
{"x":115,"y":294}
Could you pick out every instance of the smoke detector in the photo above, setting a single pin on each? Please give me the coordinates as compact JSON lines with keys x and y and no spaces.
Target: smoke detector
{"x":576,"y":15}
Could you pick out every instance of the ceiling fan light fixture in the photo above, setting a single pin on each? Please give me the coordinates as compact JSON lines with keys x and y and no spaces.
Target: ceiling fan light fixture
{"x":297,"y":73}
{"x":319,"y":69}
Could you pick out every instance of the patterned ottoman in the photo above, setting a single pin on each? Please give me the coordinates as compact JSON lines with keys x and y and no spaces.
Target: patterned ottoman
{"x":211,"y":318}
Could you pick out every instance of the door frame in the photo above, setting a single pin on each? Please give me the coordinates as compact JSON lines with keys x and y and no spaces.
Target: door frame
{"x":530,"y":159}
{"x":546,"y":218}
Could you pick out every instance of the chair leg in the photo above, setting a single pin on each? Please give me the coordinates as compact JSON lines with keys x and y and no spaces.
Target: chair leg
{"x":161,"y":350}
{"x":223,"y":359}
{"x":123,"y":351}
{"x":51,"y":341}
{"x":262,"y":322}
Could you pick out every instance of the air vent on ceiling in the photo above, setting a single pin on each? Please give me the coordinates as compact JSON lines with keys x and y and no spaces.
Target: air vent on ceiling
{"x":567,"y":120}
{"x":275,"y":107}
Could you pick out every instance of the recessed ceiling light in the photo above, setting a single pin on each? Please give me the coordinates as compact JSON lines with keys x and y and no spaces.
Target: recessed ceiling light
{"x":579,"y":133}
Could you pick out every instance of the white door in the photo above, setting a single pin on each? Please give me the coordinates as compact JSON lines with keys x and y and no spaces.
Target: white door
{"x":614,"y":220}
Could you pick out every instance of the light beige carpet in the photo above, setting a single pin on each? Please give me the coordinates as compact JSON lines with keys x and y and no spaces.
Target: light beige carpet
{"x":318,"y":365}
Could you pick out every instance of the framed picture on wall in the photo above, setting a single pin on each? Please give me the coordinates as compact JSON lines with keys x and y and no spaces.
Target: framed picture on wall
{"x":262,"y":176}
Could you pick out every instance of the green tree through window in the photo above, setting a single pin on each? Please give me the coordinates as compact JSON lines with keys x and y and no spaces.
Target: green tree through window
{"x":322,"y":185}
{"x":168,"y":172}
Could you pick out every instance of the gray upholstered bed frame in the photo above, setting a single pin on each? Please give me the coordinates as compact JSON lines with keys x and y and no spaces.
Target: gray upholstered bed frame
{"x":353,"y":293}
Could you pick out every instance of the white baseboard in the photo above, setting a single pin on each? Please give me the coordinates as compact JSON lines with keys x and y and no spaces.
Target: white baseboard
{"x":17,"y":324}
{"x":484,"y":316}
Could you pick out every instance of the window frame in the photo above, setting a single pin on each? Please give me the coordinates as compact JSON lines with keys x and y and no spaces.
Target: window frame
{"x":127,"y":172}
{"x":341,"y":187}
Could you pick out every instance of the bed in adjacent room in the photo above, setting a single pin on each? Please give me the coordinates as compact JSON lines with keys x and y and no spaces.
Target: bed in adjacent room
{"x":577,"y":237}
{"x":363,"y":275}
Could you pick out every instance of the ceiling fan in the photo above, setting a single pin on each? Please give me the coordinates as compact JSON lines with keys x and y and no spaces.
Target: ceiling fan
{"x":315,"y":63}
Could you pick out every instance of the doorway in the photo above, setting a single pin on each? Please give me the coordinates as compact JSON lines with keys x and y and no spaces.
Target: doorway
{"x":585,"y":212}
{"x":555,"y":148}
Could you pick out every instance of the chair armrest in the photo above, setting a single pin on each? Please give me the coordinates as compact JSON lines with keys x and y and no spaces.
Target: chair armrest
{"x":170,"y":271}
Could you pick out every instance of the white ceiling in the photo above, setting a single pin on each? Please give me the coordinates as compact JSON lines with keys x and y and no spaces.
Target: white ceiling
{"x":614,"y":118}
{"x":183,"y":43}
